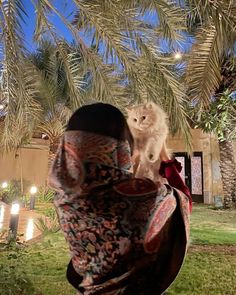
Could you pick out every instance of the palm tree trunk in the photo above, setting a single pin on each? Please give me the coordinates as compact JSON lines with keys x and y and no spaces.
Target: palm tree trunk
{"x":228,"y":174}
{"x":52,"y":151}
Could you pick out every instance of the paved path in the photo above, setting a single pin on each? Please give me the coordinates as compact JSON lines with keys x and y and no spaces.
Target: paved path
{"x":26,"y":225}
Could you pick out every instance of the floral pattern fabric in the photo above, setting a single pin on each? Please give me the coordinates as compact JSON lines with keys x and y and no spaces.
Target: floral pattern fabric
{"x":108,"y":217}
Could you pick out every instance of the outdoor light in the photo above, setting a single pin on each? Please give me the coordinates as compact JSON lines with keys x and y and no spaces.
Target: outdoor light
{"x":33,"y":191}
{"x":178,"y":55}
{"x":4,"y":185}
{"x":2,"y":212}
{"x":29,"y":229}
{"x":15,"y":208}
{"x":14,"y":218}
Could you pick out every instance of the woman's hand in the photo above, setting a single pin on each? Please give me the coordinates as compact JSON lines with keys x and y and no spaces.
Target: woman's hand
{"x":135,"y":160}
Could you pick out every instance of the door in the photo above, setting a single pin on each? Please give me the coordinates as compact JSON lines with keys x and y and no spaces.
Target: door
{"x":192,"y":173}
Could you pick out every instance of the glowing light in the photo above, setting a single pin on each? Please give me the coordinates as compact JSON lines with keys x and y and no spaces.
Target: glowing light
{"x":4,"y":184}
{"x":15,"y":208}
{"x":178,"y":56}
{"x":29,"y":229}
{"x":33,"y":190}
{"x":2,"y":211}
{"x":1,"y":107}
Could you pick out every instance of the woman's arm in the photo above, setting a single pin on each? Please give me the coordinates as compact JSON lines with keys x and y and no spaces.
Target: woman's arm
{"x":170,"y":170}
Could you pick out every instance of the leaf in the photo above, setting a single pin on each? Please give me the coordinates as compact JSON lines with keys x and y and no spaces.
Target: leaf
{"x":203,"y":68}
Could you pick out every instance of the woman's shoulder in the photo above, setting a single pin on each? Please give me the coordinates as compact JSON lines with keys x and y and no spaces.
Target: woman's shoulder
{"x":136,"y":187}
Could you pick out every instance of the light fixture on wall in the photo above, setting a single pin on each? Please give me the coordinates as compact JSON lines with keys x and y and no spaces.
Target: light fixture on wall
{"x":33,"y":191}
{"x":14,"y":219}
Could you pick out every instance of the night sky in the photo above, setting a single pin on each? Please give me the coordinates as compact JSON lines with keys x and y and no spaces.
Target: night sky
{"x":29,"y":27}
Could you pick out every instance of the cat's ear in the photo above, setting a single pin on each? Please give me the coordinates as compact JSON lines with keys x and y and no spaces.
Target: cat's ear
{"x":128,"y":108}
{"x":150,"y":105}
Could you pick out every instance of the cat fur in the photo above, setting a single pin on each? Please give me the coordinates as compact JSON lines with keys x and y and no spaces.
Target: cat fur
{"x":149,"y":127}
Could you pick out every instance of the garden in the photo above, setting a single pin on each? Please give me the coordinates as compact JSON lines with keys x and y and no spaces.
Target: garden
{"x":39,"y":266}
{"x":56,"y":56}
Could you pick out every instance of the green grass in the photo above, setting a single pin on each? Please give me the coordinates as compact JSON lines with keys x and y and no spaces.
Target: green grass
{"x":40,"y":270}
{"x":206,"y":274}
{"x":42,"y":266}
{"x":209,"y":226}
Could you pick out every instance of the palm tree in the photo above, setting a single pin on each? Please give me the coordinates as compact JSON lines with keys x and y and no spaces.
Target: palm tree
{"x":213,"y":26}
{"x":125,"y":51}
{"x":210,"y":74}
{"x":227,"y":131}
{"x":220,"y":119}
{"x":54,"y":94}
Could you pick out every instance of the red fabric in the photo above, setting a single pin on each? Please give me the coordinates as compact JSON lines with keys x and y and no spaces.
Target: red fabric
{"x":136,"y":187}
{"x":170,"y":170}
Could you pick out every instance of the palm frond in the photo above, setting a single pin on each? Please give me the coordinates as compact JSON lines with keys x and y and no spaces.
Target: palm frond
{"x":22,"y":110}
{"x":168,"y":90}
{"x":74,"y":77}
{"x":170,"y":19}
{"x":18,"y":85}
{"x":203,"y":69}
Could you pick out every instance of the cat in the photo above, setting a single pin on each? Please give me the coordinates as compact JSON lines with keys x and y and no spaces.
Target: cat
{"x":148,"y":125}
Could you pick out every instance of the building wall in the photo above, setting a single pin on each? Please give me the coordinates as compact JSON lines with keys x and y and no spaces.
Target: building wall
{"x":30,"y":161}
{"x":207,"y":144}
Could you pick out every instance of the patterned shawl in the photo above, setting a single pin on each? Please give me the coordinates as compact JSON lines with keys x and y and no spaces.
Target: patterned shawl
{"x":126,"y":235}
{"x":85,"y":160}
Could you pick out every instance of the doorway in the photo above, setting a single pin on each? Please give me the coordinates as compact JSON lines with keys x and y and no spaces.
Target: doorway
{"x":192,"y":174}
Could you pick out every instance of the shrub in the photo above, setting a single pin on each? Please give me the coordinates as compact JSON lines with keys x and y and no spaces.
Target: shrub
{"x":45,"y":195}
{"x":49,"y":222}
{"x":13,"y":191}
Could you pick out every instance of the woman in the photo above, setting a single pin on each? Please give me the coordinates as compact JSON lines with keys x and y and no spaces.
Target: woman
{"x":126,"y":235}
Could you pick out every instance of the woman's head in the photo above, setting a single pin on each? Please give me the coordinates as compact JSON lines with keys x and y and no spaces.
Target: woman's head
{"x":103,"y":119}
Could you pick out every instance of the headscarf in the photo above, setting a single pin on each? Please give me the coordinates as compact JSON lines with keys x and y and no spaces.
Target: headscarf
{"x":85,"y":160}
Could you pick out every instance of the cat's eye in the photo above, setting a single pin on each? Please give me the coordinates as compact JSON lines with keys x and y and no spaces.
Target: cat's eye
{"x":135,"y":120}
{"x":143,"y":117}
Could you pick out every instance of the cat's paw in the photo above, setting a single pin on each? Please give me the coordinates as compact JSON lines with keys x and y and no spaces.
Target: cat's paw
{"x":152,"y":157}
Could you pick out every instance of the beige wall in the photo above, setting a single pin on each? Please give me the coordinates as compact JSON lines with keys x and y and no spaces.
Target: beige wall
{"x":34,"y":159}
{"x":207,"y":144}
{"x":31,"y":161}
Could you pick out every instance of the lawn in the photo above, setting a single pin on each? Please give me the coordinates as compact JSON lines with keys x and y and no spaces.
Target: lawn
{"x":209,"y":268}
{"x":209,"y":226}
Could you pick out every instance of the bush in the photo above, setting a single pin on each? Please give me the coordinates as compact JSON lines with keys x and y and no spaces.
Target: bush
{"x":14,"y":279}
{"x":49,"y":222}
{"x":45,"y":195}
{"x":13,"y":191}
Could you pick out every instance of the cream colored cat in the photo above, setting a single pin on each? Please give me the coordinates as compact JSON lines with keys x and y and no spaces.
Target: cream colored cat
{"x":148,"y":124}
